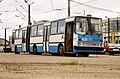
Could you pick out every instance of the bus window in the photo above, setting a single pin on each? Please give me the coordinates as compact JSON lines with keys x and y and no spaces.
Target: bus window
{"x":96,"y":26}
{"x":54,"y":28}
{"x":61,"y":26}
{"x":40,"y":29}
{"x":33,"y":31}
{"x":20,"y":33}
{"x":81,"y":25}
{"x":16,"y":34}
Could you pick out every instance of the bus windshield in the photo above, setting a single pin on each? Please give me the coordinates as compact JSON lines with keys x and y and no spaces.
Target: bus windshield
{"x":96,"y":25}
{"x":89,"y":26}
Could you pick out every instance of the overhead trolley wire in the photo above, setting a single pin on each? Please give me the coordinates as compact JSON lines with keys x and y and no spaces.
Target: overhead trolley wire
{"x":89,"y":1}
{"x":95,"y":7}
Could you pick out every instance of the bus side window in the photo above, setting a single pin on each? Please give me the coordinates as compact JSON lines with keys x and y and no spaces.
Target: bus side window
{"x":16,"y":34}
{"x":33,"y":30}
{"x":61,"y":26}
{"x":40,"y":29}
{"x":53,"y":28}
{"x":79,"y":26}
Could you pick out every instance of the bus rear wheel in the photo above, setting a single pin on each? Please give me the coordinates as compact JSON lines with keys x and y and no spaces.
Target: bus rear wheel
{"x":60,"y":50}
{"x":85,"y":55}
{"x":111,"y":53}
{"x":16,"y":51}
{"x":34,"y":49}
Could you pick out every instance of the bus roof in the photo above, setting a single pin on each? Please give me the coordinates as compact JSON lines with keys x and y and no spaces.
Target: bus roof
{"x":75,"y":17}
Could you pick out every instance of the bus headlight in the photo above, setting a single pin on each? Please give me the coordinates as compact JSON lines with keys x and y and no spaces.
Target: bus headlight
{"x":79,"y":43}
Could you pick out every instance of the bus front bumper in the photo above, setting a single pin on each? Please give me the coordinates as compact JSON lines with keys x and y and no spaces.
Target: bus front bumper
{"x":90,"y":50}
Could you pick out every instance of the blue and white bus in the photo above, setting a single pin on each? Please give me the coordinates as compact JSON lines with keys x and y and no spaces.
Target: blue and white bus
{"x":78,"y":35}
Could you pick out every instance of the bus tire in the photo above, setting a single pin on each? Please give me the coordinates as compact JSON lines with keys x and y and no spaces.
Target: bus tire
{"x":34,"y":49}
{"x":111,"y":53}
{"x":60,"y":50}
{"x":16,"y":51}
{"x":85,"y":55}
{"x":82,"y":55}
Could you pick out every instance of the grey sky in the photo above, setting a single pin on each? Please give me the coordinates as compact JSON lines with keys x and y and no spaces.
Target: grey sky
{"x":43,"y":10}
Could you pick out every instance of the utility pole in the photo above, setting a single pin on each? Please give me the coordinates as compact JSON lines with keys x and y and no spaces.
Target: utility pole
{"x":29,"y":19}
{"x":108,"y":30}
{"x":68,"y":8}
{"x":1,"y":0}
{"x":108,"y":21}
{"x":5,"y":39}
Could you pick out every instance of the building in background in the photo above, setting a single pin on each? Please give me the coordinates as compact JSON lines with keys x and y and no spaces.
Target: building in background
{"x":111,"y":34}
{"x":2,"y":45}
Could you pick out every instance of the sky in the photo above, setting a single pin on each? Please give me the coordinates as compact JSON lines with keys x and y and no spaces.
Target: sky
{"x":51,"y":10}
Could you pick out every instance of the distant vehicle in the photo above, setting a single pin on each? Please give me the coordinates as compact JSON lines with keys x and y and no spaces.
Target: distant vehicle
{"x":112,"y":48}
{"x":78,"y":35}
{"x":112,"y":44}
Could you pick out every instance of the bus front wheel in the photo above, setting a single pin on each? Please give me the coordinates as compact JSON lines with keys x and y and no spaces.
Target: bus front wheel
{"x":82,"y":55}
{"x":16,"y":51}
{"x":34,"y":49}
{"x":60,"y":50}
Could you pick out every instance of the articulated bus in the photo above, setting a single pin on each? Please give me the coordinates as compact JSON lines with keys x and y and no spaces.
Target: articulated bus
{"x":111,"y":44}
{"x":78,"y":35}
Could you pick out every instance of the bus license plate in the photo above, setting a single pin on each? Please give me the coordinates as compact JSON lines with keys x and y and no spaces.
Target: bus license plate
{"x":115,"y":49}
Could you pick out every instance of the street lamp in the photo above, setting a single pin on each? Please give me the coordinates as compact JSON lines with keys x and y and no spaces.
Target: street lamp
{"x":5,"y":38}
{"x":1,"y":0}
{"x":68,"y":8}
{"x":29,"y":22}
{"x":28,"y":27}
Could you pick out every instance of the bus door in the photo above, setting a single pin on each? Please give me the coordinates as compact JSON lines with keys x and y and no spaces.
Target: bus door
{"x":24,"y":40}
{"x":46,"y":33}
{"x":13,"y":41}
{"x":69,"y":37}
